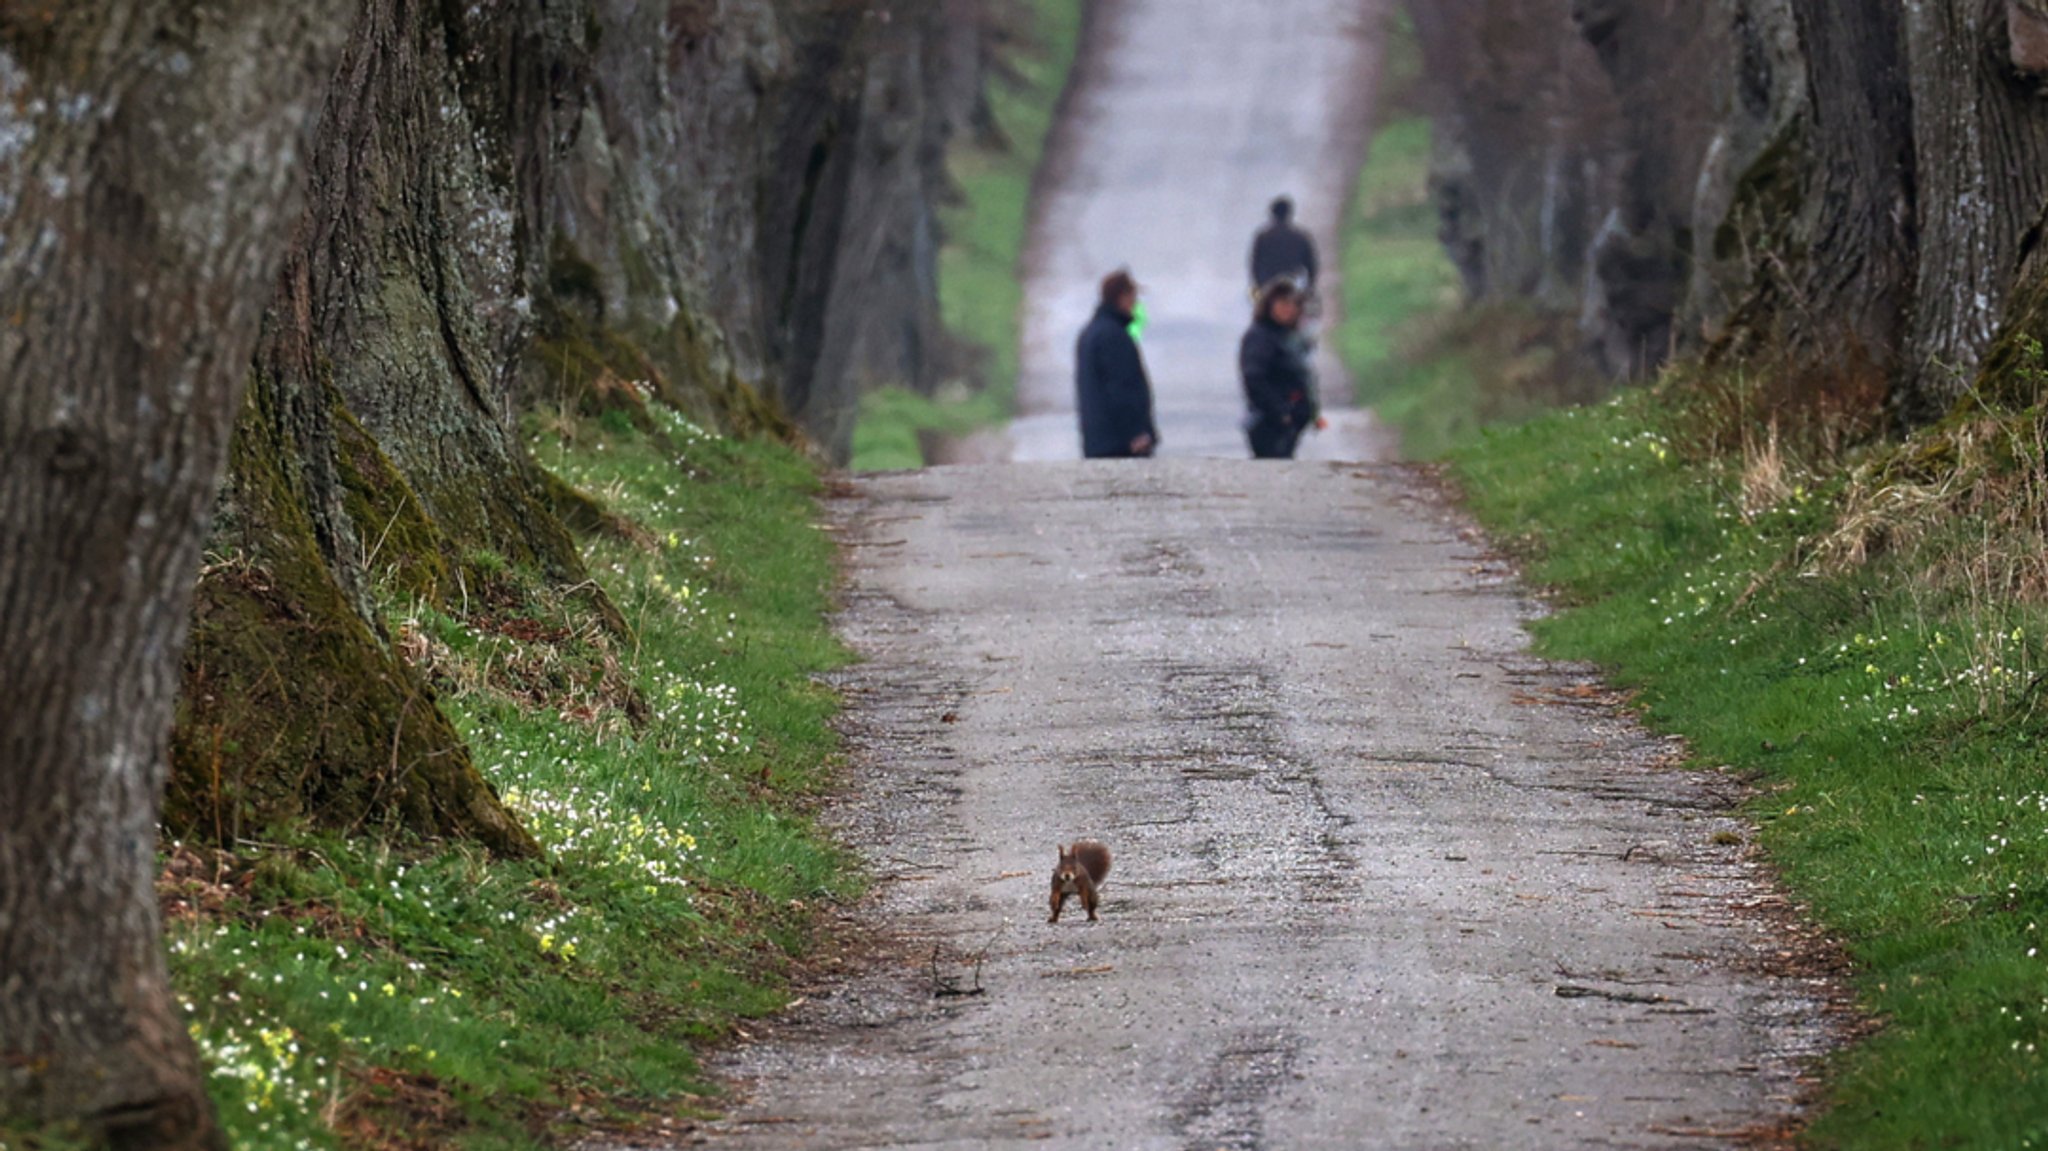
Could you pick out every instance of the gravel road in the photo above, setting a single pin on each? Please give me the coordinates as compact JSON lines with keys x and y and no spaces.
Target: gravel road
{"x":1382,"y":879}
{"x":1190,"y":116}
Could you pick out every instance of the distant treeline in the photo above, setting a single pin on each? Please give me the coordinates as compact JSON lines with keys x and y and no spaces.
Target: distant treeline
{"x":1851,"y":194}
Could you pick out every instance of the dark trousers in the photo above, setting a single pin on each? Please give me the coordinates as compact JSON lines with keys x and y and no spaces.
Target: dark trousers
{"x":1273,"y":441}
{"x":1122,"y":453}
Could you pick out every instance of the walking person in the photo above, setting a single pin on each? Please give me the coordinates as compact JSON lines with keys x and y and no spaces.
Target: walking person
{"x":1279,"y":386}
{"x":1283,"y":251}
{"x":1114,"y":395}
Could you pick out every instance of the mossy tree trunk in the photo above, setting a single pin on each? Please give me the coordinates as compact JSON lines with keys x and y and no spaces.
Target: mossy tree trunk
{"x":149,"y":171}
{"x":699,"y":195}
{"x":378,"y":454}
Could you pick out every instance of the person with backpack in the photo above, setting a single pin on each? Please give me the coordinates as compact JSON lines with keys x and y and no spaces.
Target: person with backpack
{"x":1279,"y":386}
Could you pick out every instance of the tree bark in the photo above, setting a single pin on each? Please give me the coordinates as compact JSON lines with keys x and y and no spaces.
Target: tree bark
{"x":1807,"y":258}
{"x":379,"y":449}
{"x":425,"y":243}
{"x":1980,"y":130}
{"x":1665,"y":64}
{"x":149,"y":172}
{"x":1858,"y":235}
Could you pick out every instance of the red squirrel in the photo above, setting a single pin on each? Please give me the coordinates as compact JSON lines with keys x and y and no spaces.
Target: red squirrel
{"x":1080,"y":871}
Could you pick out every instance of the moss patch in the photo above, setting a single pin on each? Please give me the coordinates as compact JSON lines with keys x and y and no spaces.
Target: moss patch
{"x":293,"y":713}
{"x":353,"y":992}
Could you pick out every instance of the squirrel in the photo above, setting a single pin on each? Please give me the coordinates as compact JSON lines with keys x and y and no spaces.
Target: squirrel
{"x":1080,"y":871}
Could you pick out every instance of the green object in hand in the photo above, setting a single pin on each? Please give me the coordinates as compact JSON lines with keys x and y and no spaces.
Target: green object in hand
{"x":1138,"y":320}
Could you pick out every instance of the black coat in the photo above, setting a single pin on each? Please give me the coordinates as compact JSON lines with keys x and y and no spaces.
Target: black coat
{"x":1282,"y":250}
{"x":1278,"y":385}
{"x":1112,"y":390}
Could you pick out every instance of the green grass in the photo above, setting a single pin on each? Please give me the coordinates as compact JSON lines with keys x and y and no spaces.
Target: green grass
{"x":1398,"y":284}
{"x":886,"y":438}
{"x":981,"y":292}
{"x":345,"y":991}
{"x":1889,"y":710}
{"x":1893,"y":727}
{"x":1432,"y":369}
{"x":1396,"y":275}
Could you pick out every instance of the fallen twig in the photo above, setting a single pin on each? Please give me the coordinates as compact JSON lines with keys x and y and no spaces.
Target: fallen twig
{"x":1580,"y":991}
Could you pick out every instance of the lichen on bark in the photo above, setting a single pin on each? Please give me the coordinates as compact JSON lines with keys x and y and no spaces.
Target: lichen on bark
{"x":148,"y":171}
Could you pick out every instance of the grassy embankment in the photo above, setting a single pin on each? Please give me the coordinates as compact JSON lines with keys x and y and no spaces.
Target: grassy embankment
{"x":350,"y":993}
{"x":1858,"y":627}
{"x":1435,"y":371}
{"x":980,"y":290}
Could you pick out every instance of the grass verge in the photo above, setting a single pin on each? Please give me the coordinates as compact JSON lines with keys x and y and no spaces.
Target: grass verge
{"x":980,"y":289}
{"x":1856,"y":625}
{"x":346,"y":992}
{"x":1433,"y":370}
{"x":1891,"y":719}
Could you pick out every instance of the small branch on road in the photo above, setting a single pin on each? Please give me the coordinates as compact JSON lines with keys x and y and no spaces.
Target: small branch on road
{"x":1564,"y":972}
{"x":1077,"y":972}
{"x":1580,"y":991}
{"x":948,"y":986}
{"x":913,"y":871}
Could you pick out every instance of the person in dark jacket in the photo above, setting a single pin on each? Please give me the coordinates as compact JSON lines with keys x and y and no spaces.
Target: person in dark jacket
{"x":1114,"y":395}
{"x":1279,"y":389}
{"x":1283,"y":251}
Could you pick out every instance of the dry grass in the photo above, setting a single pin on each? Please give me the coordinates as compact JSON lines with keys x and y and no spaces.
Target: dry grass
{"x":1767,"y":477}
{"x":1818,"y":414}
{"x":1965,"y":503}
{"x":535,"y":649}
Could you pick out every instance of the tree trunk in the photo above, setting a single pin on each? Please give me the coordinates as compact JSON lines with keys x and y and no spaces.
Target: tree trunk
{"x":1807,"y":258}
{"x":752,"y":201}
{"x":1665,"y":64}
{"x":149,"y":172}
{"x":425,"y":244}
{"x":1738,"y":207}
{"x":1858,"y":244}
{"x":1526,"y":133}
{"x":884,"y":324}
{"x":1980,"y":129}
{"x":379,"y":450}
